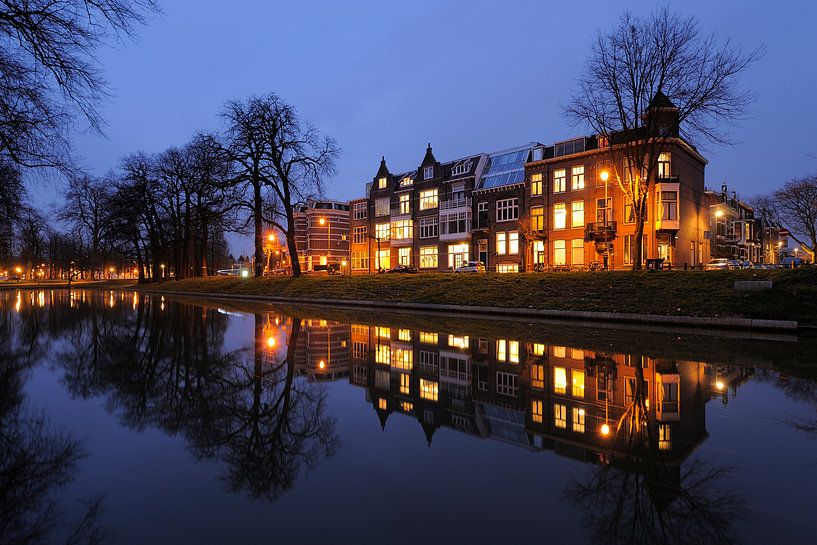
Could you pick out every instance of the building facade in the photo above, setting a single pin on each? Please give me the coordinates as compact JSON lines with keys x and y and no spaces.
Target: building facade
{"x":734,"y":232}
{"x":322,"y":234}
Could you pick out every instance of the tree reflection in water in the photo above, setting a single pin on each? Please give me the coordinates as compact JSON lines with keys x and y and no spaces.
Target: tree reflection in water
{"x":164,"y":365}
{"x":641,"y":497}
{"x":37,"y":460}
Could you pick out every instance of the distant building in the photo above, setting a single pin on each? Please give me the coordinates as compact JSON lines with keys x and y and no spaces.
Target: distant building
{"x":322,"y":234}
{"x":734,"y":233}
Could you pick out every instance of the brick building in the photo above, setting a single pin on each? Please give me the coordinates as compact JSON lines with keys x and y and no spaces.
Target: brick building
{"x":322,"y":234}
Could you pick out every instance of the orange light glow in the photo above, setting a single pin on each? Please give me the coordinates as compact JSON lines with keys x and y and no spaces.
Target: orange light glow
{"x":322,"y":364}
{"x":271,"y":341}
{"x":605,"y":429}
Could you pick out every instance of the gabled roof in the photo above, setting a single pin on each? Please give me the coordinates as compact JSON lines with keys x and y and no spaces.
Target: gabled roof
{"x":383,"y":171}
{"x":428,"y":159}
{"x":660,"y":100}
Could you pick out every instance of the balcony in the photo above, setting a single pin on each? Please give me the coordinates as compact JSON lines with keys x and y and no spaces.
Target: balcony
{"x":400,"y":213}
{"x":455,"y":203}
{"x":667,"y":225}
{"x":600,"y":231}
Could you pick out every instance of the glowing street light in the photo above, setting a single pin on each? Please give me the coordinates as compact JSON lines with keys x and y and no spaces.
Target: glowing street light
{"x":605,"y":429}
{"x":718,"y":213}
{"x":271,"y":342}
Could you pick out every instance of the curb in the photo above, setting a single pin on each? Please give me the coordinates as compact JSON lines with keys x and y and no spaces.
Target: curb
{"x":577,"y":315}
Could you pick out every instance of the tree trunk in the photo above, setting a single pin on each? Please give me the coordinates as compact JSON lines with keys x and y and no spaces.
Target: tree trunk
{"x":258,"y":210}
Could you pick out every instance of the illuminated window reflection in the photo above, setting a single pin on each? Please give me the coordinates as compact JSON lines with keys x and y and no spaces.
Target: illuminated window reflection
{"x":559,"y":380}
{"x":429,"y":389}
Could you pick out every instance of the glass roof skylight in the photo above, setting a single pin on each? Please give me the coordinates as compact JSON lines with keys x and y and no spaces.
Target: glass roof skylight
{"x":505,"y":168}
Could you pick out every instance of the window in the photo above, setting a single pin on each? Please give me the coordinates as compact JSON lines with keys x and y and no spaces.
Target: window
{"x":359,"y":235}
{"x":457,"y":254}
{"x":405,"y":203}
{"x":428,"y":199}
{"x":382,"y":404}
{"x":577,"y":251}
{"x":538,"y":252}
{"x":578,"y":420}
{"x":560,"y":416}
{"x":578,"y":383}
{"x":559,"y":351}
{"x":668,"y":205}
{"x":381,"y":207}
{"x":381,"y":231}
{"x":457,"y":341}
{"x":429,"y":227}
{"x":501,"y":243}
{"x":577,"y":178}
{"x":513,"y":243}
{"x":601,"y":167}
{"x":402,"y":359}
{"x":360,"y":260}
{"x":628,"y":249}
{"x":604,"y":212}
{"x":406,"y":406}
{"x":482,"y":214}
{"x":359,"y":349}
{"x":559,"y":252}
{"x":536,"y":184}
{"x":537,"y":218}
{"x":428,"y":173}
{"x":536,"y":411}
{"x":407,"y":181}
{"x":458,"y":222}
{"x":405,"y":383}
{"x":404,"y":256}
{"x":669,"y":397}
{"x":538,"y":349}
{"x":383,"y":259}
{"x":537,"y":376}
{"x":507,"y":209}
{"x":507,"y":268}
{"x":429,"y":389}
{"x":402,"y":230}
{"x":664,"y":437}
{"x":507,"y":384}
{"x":559,"y":380}
{"x":559,"y":215}
{"x":428,"y":257}
{"x":382,"y":183}
{"x":577,"y":354}
{"x":382,"y":332}
{"x":664,"y":164}
{"x":359,"y":210}
{"x":629,"y":211}
{"x":429,"y":361}
{"x":382,"y":354}
{"x":454,"y":368}
{"x":461,"y":168}
{"x":559,"y":180}
{"x":428,"y":338}
{"x":577,"y":214}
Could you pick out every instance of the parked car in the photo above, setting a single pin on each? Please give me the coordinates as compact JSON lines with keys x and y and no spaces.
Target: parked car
{"x":402,"y":269}
{"x":471,"y":267}
{"x":719,"y":264}
{"x":791,"y":262}
{"x":747,"y":265}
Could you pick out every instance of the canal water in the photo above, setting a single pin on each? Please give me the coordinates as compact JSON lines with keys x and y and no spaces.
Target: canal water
{"x":130,"y":418}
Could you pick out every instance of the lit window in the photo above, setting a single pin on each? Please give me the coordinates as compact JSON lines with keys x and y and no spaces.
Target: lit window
{"x":429,"y":389}
{"x":668,"y":205}
{"x":381,"y":207}
{"x":578,"y":383}
{"x":664,"y":437}
{"x":501,"y":247}
{"x":578,"y":420}
{"x":576,"y":354}
{"x":559,"y":180}
{"x":507,"y":268}
{"x":381,"y":231}
{"x":455,"y":341}
{"x":382,"y":354}
{"x":538,"y":349}
{"x":559,"y":252}
{"x":428,"y":257}
{"x":382,"y":404}
{"x":513,"y":243}
{"x":664,"y":164}
{"x":381,"y":183}
{"x":382,"y":332}
{"x":428,"y":173}
{"x":577,"y":214}
{"x":536,"y":411}
{"x":405,"y":383}
{"x":559,"y":215}
{"x":537,"y":376}
{"x":383,"y":259}
{"x":402,"y":230}
{"x":560,"y":416}
{"x":407,"y":181}
{"x":536,"y":184}
{"x":428,"y":199}
{"x":577,"y":180}
{"x":513,"y":351}
{"x":404,"y":334}
{"x":458,"y":254}
{"x":405,"y":203}
{"x":402,"y":359}
{"x":559,"y":351}
{"x":577,"y":251}
{"x":538,"y":251}
{"x":404,"y":256}
{"x":428,"y":338}
{"x":407,"y":406}
{"x":359,"y":235}
{"x":501,"y":350}
{"x":537,"y":218}
{"x":559,"y":380}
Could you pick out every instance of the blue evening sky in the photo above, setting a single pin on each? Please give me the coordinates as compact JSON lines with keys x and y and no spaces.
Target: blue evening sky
{"x":385,"y":78}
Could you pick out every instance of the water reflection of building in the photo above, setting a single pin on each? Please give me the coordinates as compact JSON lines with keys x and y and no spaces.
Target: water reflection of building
{"x":579,"y":403}
{"x":322,"y":350}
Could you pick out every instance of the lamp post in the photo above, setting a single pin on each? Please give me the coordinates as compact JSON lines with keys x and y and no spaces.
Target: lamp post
{"x":162,"y":266}
{"x":605,"y":176}
{"x":271,"y":240}
{"x":328,"y":236}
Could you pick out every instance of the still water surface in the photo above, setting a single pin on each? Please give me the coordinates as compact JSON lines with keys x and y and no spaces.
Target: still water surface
{"x":131,"y":419}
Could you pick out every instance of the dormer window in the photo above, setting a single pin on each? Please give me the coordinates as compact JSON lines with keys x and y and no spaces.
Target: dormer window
{"x":407,"y":181}
{"x":428,"y":173}
{"x":381,"y":183}
{"x":461,"y":168}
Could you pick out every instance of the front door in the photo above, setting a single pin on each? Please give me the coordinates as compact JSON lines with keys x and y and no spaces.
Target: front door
{"x":483,"y":251}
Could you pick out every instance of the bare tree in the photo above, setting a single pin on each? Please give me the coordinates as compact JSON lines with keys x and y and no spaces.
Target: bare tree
{"x":86,"y":210}
{"x":49,"y":72}
{"x":651,"y":82}
{"x":795,"y":207}
{"x":274,"y":150}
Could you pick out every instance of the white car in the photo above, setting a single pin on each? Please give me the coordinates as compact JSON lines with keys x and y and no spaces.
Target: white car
{"x":471,"y":267}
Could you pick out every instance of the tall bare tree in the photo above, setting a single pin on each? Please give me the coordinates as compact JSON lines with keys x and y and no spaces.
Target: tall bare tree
{"x":651,"y":82}
{"x":795,"y":208}
{"x":275,"y":151}
{"x":49,"y":73}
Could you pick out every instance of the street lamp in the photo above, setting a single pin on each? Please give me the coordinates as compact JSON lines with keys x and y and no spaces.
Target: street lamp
{"x":328,"y":236}
{"x":162,"y":266}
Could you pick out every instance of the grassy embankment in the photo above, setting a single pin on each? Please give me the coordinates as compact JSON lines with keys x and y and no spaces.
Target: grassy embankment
{"x":699,"y":293}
